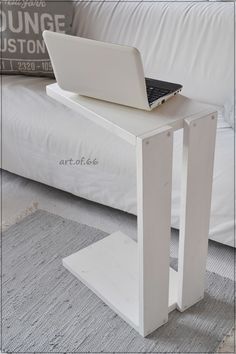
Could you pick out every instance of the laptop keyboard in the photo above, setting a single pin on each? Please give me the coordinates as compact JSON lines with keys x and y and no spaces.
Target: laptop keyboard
{"x":154,"y":93}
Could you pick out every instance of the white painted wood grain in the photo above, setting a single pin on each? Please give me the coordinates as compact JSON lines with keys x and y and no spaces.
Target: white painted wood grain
{"x":154,"y":176}
{"x":127,"y":122}
{"x":110,"y":269}
{"x":198,"y":158}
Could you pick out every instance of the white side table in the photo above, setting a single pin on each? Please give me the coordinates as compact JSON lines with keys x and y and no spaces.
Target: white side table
{"x":134,"y":278}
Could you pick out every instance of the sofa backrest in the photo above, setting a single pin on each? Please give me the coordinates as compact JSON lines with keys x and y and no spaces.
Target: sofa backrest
{"x":188,"y":43}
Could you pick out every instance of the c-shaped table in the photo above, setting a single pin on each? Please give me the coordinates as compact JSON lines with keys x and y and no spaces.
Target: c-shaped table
{"x":134,"y":278}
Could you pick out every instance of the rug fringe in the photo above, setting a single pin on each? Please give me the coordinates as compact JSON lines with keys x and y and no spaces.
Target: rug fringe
{"x":27,"y":211}
{"x":226,"y":346}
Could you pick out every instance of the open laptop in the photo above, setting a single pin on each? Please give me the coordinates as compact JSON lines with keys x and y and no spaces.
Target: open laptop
{"x":105,"y":71}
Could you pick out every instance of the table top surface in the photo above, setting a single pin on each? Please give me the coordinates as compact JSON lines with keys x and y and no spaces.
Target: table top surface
{"x":130,"y":123}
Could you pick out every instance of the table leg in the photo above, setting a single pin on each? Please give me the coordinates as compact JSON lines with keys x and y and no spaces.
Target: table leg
{"x":198,"y":158}
{"x":154,"y":176}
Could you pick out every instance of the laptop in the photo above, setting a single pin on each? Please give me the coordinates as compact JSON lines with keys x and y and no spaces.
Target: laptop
{"x":105,"y":71}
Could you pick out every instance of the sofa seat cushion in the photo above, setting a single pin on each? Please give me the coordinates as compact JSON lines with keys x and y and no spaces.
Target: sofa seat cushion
{"x":38,"y":133}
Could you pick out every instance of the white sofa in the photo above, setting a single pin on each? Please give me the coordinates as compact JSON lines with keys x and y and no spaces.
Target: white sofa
{"x":189,"y":43}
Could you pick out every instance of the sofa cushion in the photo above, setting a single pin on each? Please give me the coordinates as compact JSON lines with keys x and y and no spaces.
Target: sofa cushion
{"x":184,"y":42}
{"x":38,"y":133}
{"x":22,"y":23}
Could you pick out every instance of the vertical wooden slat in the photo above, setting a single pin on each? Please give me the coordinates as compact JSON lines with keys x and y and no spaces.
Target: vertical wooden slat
{"x":198,"y":158}
{"x":154,"y":176}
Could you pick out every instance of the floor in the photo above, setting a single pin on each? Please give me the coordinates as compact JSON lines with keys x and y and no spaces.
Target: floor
{"x":21,"y":196}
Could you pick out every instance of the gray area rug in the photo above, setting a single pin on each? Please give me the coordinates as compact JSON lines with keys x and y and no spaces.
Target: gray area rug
{"x":46,"y":309}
